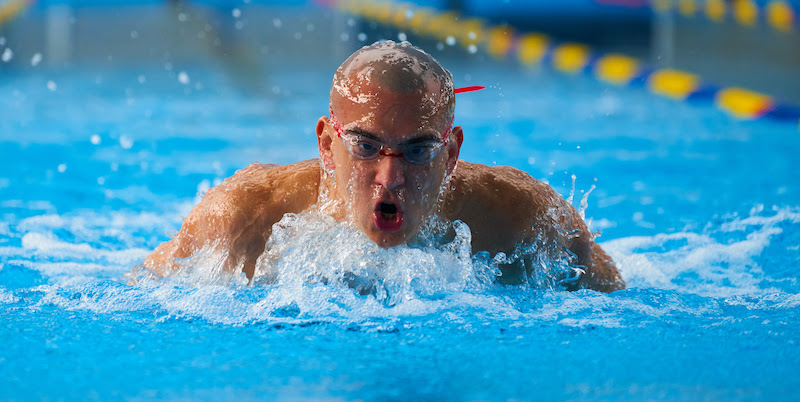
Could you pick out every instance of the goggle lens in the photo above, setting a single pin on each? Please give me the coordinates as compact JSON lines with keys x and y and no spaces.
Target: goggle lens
{"x":366,"y":149}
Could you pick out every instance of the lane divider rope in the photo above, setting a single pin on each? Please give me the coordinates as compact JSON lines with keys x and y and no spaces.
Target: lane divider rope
{"x":502,"y":42}
{"x":11,"y":9}
{"x":777,"y":14}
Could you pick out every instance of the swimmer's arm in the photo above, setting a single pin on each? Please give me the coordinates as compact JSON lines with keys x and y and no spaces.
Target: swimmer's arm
{"x":592,"y":267}
{"x":546,"y":214}
{"x":219,"y":224}
{"x":599,"y":272}
{"x":232,"y":218}
{"x":236,"y":217}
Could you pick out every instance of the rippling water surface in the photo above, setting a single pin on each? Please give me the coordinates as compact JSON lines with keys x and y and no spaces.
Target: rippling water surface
{"x":700,"y":212}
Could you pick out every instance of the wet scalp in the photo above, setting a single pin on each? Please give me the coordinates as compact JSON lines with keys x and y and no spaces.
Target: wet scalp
{"x":399,"y":67}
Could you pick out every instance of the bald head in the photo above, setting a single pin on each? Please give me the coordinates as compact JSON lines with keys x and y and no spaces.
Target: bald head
{"x":399,"y":68}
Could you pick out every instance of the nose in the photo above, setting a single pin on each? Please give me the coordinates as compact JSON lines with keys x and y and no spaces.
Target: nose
{"x":390,"y":172}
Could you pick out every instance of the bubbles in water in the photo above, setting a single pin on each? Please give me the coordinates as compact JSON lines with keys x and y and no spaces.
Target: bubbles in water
{"x":51,"y":85}
{"x":402,"y":36}
{"x":362,"y":37}
{"x":141,"y":78}
{"x":134,"y":34}
{"x":472,"y":49}
{"x":95,"y":139}
{"x":451,"y":41}
{"x":236,"y":13}
{"x":8,"y":54}
{"x":62,"y":168}
{"x":277,"y":23}
{"x":36,"y":59}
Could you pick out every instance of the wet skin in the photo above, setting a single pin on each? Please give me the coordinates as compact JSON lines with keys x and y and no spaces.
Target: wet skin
{"x":503,"y":206}
{"x":387,"y":197}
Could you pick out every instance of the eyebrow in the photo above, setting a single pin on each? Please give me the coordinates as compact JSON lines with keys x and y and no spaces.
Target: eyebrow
{"x":422,"y":137}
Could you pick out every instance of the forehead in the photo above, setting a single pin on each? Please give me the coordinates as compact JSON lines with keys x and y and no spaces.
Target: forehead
{"x":391,"y":114}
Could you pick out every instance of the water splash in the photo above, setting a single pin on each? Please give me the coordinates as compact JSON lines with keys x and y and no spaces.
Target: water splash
{"x":720,"y":261}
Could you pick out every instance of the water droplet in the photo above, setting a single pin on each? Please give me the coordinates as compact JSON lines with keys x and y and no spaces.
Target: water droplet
{"x":125,"y":142}
{"x":95,"y":139}
{"x":472,"y":35}
{"x":450,"y":40}
{"x":472,"y":49}
{"x":183,"y":78}
{"x":236,"y":13}
{"x":36,"y":59}
{"x":52,"y":85}
{"x":362,"y":37}
{"x":62,"y":168}
{"x":402,"y":36}
{"x":7,"y":55}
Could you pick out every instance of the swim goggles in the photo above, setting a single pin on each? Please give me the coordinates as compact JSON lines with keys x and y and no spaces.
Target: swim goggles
{"x":419,"y":152}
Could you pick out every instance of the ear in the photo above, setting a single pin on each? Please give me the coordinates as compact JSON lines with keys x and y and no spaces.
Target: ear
{"x":454,"y":148}
{"x":325,"y":143}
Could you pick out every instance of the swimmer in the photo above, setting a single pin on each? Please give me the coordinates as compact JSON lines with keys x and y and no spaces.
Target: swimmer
{"x":388,"y":163}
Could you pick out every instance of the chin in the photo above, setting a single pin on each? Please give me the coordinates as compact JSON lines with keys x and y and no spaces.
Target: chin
{"x":387,"y":240}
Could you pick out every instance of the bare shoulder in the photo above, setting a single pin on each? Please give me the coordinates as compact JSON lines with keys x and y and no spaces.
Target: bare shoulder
{"x":501,"y":196}
{"x":501,"y":180}
{"x":256,"y":197}
{"x":238,"y":214}
{"x":504,"y":206}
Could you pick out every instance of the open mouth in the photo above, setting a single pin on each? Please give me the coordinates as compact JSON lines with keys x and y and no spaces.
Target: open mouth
{"x":387,"y":216}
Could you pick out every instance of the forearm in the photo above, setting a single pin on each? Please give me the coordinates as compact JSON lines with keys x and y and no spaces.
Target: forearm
{"x":601,"y":273}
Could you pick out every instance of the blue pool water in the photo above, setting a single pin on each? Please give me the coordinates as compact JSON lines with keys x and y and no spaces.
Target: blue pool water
{"x":700,"y":211}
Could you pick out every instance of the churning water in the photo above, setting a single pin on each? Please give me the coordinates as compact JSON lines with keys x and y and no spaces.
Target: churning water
{"x":699,"y":211}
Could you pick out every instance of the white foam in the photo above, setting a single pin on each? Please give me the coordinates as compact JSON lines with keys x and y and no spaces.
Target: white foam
{"x":700,"y":263}
{"x":7,"y":297}
{"x":46,"y":245}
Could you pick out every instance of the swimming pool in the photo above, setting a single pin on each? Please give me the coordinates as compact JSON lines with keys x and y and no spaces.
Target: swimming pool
{"x":700,"y":212}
